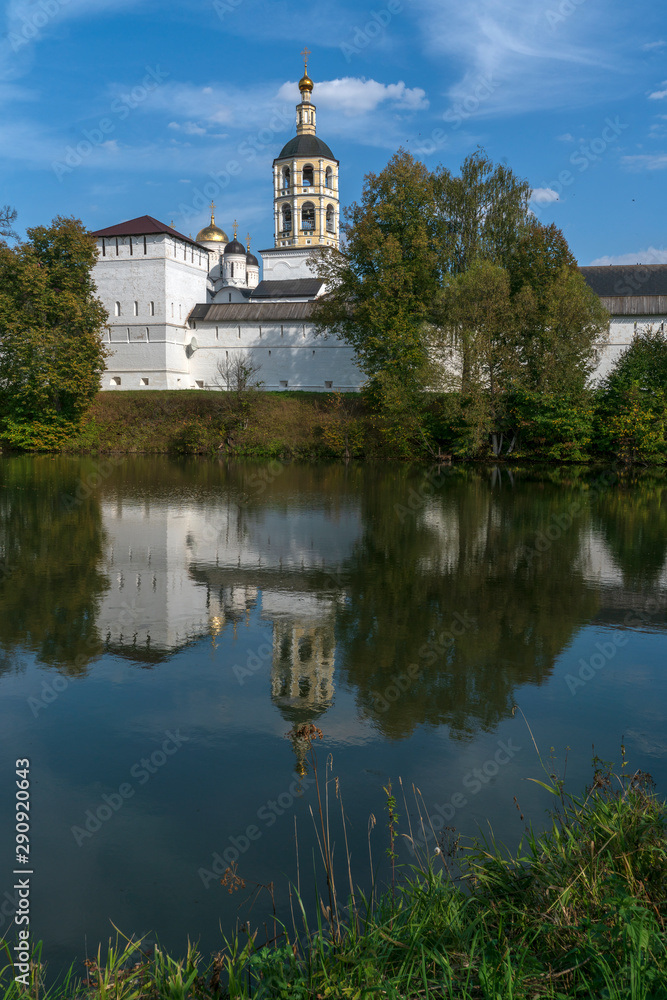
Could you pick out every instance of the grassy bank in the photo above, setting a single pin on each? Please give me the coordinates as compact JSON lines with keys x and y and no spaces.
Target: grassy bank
{"x":294,"y":424}
{"x":312,"y":426}
{"x":579,"y":911}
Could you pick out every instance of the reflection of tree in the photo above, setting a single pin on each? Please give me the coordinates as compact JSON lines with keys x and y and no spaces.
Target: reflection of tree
{"x":464,"y":552}
{"x":51,"y":541}
{"x":633,"y":522}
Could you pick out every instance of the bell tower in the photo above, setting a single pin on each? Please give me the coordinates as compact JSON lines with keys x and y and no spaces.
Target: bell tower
{"x":305,"y":181}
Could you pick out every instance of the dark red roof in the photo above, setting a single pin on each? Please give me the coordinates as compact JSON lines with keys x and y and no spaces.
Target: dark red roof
{"x":143,"y":226}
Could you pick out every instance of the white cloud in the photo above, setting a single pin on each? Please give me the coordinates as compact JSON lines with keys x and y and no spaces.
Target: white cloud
{"x":189,"y":128}
{"x":543,"y":196}
{"x":646,"y":161}
{"x":653,"y":45}
{"x":650,"y":256}
{"x":530,"y":62}
{"x":358,"y":96}
{"x":658,"y":95}
{"x":565,"y":137}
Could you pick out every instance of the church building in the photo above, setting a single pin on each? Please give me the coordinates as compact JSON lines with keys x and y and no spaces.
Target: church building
{"x":180,"y":308}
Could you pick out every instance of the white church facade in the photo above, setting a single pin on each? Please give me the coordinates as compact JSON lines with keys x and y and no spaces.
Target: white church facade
{"x":179,"y":307}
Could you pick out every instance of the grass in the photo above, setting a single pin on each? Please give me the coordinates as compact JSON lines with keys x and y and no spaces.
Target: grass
{"x":578,"y":911}
{"x":286,"y":425}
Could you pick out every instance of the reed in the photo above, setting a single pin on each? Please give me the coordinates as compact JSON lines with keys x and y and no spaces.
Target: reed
{"x":577,"y":911}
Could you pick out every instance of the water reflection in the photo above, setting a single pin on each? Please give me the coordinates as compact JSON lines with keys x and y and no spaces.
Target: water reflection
{"x":52,"y":579}
{"x":431,"y":606}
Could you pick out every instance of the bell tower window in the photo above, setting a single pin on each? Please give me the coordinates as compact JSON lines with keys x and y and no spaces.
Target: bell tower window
{"x":308,"y":217}
{"x":307,"y":175}
{"x":328,"y":178}
{"x":286,"y":219}
{"x":330,"y":219}
{"x":286,"y":177}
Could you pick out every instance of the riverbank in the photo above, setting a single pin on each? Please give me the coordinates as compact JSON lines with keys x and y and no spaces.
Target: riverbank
{"x":315,"y":426}
{"x":296,"y":425}
{"x":579,"y":911}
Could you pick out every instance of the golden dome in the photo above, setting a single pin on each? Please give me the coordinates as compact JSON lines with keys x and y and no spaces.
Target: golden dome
{"x":212,"y":233}
{"x":306,"y":84}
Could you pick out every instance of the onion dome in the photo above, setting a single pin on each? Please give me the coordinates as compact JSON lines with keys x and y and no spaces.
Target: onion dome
{"x":250,"y":258}
{"x":235,"y":247}
{"x":305,"y":83}
{"x":212,"y":233}
{"x":305,"y":145}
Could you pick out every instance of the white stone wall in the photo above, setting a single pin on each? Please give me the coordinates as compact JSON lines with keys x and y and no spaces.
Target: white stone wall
{"x":290,"y":355}
{"x":155,"y":292}
{"x":284,"y":265}
{"x":622,"y":332}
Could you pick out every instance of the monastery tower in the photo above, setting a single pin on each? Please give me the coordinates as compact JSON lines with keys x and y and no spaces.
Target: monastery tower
{"x":305,"y":181}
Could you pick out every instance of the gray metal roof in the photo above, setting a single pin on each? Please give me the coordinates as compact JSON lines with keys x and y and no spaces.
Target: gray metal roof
{"x":619,"y":280}
{"x":292,"y":288}
{"x":305,"y":145}
{"x":252,"y":312}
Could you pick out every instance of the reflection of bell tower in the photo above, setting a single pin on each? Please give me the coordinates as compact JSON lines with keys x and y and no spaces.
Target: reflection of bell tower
{"x":302,"y":675}
{"x":305,"y":181}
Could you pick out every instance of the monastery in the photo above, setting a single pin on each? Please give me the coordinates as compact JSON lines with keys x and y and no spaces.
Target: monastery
{"x":180,"y":308}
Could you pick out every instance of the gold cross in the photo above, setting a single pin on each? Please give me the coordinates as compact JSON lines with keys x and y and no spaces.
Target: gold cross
{"x":213,"y":208}
{"x":305,"y":54}
{"x":235,"y":228}
{"x":248,"y":241}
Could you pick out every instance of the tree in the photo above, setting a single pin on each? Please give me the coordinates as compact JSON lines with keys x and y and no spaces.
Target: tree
{"x":237,"y":375}
{"x":381,"y":282}
{"x":562,"y":317}
{"x":51,"y":351}
{"x":480,"y":215}
{"x":631,"y":402}
{"x":474,"y":340}
{"x":7,"y":219}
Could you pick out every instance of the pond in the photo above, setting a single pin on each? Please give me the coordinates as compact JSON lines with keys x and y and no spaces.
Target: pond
{"x":166,"y":627}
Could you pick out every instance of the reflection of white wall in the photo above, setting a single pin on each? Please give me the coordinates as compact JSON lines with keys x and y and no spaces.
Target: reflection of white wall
{"x":153,"y":550}
{"x":596,"y":563}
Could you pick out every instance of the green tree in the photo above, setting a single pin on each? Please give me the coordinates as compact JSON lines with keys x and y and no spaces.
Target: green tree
{"x":51,"y":351}
{"x":631,"y":402}
{"x":474,"y":344}
{"x":562,"y":318}
{"x":503,"y":335}
{"x":382,"y":280}
{"x":480,"y":214}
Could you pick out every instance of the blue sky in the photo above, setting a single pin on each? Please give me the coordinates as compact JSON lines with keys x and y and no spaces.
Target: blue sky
{"x":110,"y":109}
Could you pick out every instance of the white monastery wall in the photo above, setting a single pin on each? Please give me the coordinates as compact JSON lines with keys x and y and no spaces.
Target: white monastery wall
{"x":149,"y":286}
{"x":622,"y":332}
{"x":291,"y":356}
